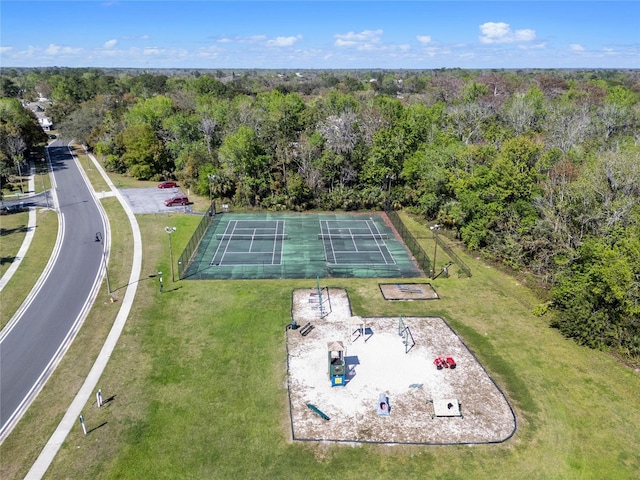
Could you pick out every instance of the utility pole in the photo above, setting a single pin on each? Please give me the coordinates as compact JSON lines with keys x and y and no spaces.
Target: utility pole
{"x":100,"y":239}
{"x":170,"y":230}
{"x":434,"y":229}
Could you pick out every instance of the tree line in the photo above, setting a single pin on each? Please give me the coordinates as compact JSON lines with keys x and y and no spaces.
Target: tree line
{"x":536,"y":169}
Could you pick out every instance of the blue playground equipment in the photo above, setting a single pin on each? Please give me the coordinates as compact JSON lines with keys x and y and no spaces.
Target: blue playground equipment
{"x":322,"y":415}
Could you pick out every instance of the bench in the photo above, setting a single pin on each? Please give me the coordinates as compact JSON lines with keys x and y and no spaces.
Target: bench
{"x":304,"y":331}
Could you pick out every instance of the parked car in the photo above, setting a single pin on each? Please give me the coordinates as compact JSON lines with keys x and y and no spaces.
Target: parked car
{"x":167,"y":184}
{"x":177,"y":200}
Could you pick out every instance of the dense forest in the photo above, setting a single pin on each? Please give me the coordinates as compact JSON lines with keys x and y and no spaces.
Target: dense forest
{"x":536,"y":169}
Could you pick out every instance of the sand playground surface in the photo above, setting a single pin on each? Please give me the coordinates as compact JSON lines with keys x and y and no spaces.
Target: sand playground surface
{"x":426,"y":405}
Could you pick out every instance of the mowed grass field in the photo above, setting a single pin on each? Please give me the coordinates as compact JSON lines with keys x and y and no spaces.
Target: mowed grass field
{"x":197,"y":386}
{"x":13,"y":232}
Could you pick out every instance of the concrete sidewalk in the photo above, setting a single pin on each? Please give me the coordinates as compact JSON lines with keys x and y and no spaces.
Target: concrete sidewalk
{"x":87,"y":390}
{"x":28,"y":238}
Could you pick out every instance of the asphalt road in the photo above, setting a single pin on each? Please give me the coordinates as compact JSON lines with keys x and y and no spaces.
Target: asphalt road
{"x":31,"y":347}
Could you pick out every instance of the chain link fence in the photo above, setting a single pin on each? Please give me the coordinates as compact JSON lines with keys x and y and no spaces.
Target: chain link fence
{"x":192,"y":247}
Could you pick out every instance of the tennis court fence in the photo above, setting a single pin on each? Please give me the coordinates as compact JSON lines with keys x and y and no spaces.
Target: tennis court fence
{"x":421,"y":257}
{"x":187,"y":255}
{"x":463,"y":267}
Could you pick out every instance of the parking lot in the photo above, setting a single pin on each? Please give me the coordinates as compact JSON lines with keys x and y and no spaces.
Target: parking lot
{"x":151,"y":200}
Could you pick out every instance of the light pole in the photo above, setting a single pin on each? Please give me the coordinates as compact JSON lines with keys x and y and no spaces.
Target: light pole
{"x":20,"y":174}
{"x":160,"y":280}
{"x":435,"y":229}
{"x":390,"y":178}
{"x":100,"y":239}
{"x":170,"y":230}
{"x":46,"y":196}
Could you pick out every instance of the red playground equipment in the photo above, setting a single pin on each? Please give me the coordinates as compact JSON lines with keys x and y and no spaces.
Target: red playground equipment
{"x":441,"y":363}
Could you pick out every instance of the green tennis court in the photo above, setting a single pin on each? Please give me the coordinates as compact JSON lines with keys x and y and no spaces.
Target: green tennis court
{"x":251,"y":246}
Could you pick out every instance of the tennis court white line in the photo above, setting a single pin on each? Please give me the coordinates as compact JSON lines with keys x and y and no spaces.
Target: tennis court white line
{"x":230,"y":231}
{"x":377,"y":232}
{"x":373,"y":230}
{"x":275,"y":242}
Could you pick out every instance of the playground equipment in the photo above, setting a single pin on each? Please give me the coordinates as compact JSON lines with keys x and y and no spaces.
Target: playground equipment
{"x":323,"y":415}
{"x":382,"y":407}
{"x":321,"y":296}
{"x":361,"y":329}
{"x":441,"y":363}
{"x":408,"y":289}
{"x":405,"y":332}
{"x":401,"y":325}
{"x":304,"y":331}
{"x":444,"y":270}
{"x":446,"y":407}
{"x":337,"y":368}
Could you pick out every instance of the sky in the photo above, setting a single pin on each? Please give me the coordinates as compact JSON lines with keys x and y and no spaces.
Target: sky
{"x":320,"y":34}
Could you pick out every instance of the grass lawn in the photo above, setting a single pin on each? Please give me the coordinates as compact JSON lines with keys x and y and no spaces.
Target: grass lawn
{"x":198,"y":383}
{"x":13,"y":234}
{"x":22,"y":447}
{"x":13,"y":229}
{"x":198,"y":386}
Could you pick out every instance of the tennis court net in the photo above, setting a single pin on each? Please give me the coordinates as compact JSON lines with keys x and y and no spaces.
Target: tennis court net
{"x":247,"y":236}
{"x":355,"y":236}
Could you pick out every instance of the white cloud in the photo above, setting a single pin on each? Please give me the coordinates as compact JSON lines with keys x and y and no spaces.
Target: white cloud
{"x":210,"y":52}
{"x":243,"y":40}
{"x":424,"y":39}
{"x":54,"y":49}
{"x":152,"y":51}
{"x":5,"y":49}
{"x":500,"y":32}
{"x":576,"y":47}
{"x":283,"y":41}
{"x":363,"y":40}
{"x":535,"y":46}
{"x":110,"y":43}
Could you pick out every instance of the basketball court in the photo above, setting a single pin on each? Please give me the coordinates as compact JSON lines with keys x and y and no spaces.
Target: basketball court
{"x":246,"y":246}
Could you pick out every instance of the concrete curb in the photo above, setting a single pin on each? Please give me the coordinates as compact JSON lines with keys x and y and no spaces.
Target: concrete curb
{"x":54,"y":443}
{"x":28,"y":238}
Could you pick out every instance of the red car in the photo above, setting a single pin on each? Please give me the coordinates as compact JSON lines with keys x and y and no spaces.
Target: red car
{"x":167,"y":184}
{"x":177,"y":200}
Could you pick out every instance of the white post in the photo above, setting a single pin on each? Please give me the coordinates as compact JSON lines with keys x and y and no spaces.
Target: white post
{"x":99,"y":398}
{"x":84,"y":428}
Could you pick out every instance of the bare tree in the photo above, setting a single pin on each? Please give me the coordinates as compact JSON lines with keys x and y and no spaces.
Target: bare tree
{"x":446,"y":88}
{"x":613,"y":117}
{"x":371,"y":121}
{"x":340,"y":132}
{"x":208,"y":127}
{"x":567,"y":125}
{"x":466,"y":120}
{"x":305,"y":153}
{"x":519,"y":113}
